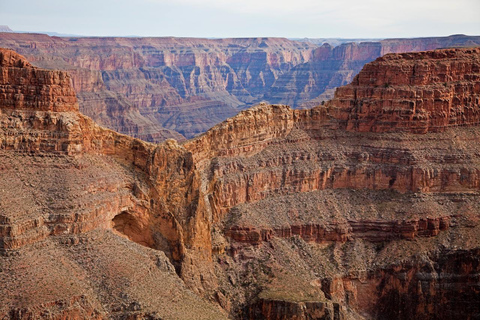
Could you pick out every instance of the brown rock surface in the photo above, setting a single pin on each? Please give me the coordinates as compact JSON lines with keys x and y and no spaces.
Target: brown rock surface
{"x":424,"y":92}
{"x":310,"y":83}
{"x":306,"y":205}
{"x":273,"y":214}
{"x":70,"y":192}
{"x":163,"y":86}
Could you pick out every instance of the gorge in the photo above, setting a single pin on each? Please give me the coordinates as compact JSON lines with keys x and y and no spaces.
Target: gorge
{"x":365,"y":207}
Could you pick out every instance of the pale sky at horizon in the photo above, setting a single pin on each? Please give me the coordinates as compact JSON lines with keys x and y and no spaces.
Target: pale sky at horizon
{"x":246,"y":18}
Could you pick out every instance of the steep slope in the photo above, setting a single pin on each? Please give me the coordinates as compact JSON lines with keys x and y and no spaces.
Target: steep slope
{"x":401,"y":93}
{"x":346,"y":210}
{"x":71,"y":193}
{"x":135,"y":85}
{"x":365,"y":207}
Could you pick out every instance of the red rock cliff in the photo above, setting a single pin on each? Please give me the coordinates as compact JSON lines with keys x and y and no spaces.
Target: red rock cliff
{"x":185,"y":84}
{"x":423,"y":92}
{"x":67,"y":184}
{"x":292,"y":188}
{"x":311,"y":83}
{"x":274,"y":213}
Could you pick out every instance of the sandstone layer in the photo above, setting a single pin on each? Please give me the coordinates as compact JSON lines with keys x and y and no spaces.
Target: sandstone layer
{"x":417,"y":93}
{"x":159,"y":88}
{"x":364,"y":208}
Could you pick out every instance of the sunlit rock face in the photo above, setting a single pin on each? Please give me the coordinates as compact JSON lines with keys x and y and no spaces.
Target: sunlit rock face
{"x":361,"y":208}
{"x":78,"y":205}
{"x":365,"y":207}
{"x":426,"y":92}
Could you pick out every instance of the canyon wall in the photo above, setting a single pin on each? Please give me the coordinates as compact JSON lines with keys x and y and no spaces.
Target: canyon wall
{"x":412,"y":92}
{"x":156,"y":88}
{"x":311,"y":83}
{"x":78,"y":205}
{"x":159,"y":88}
{"x":349,"y":210}
{"x":365,"y":207}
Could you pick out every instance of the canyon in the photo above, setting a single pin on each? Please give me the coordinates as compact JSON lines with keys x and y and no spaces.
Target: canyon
{"x":365,"y":207}
{"x":160,"y":88}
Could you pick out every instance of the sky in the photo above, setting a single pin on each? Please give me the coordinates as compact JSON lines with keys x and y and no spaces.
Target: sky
{"x":245,"y":18}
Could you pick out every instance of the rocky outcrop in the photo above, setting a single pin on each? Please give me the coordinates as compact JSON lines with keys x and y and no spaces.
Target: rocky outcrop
{"x":302,"y":152}
{"x":308,"y":84}
{"x":283,"y":310}
{"x":29,"y":99}
{"x":292,"y":188}
{"x":373,"y":231}
{"x":431,"y":91}
{"x":46,"y":120}
{"x":71,"y":191}
{"x":441,"y":287}
{"x":153,"y":87}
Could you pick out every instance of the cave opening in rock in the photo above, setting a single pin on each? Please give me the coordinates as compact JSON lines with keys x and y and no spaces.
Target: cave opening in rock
{"x":392,"y":181}
{"x":130,"y":226}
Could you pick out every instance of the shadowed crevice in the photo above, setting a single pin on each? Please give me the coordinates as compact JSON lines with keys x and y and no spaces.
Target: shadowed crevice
{"x":127,"y":225}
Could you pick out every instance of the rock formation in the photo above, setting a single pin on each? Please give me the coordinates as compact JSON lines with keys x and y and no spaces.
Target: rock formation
{"x":71,"y":195}
{"x":159,"y":88}
{"x":417,"y":93}
{"x":359,"y":208}
{"x":363,"y":208}
{"x":313,"y":82}
{"x":139,"y":85}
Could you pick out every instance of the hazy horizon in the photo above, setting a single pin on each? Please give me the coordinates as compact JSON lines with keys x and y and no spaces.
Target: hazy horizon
{"x":348,"y":19}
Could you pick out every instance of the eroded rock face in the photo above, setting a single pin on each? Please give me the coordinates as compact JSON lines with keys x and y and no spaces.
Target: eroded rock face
{"x":283,"y":310}
{"x":275,"y":213}
{"x":158,"y":88}
{"x":71,"y":194}
{"x":424,"y":92}
{"x":312,"y":197}
{"x":314,"y":82}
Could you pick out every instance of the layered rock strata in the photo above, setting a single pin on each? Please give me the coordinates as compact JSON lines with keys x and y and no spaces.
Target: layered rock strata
{"x":166,"y":87}
{"x":159,"y":88}
{"x":342,"y":204}
{"x":311,"y":83}
{"x":412,"y":92}
{"x":327,"y":213}
{"x":75,"y":198}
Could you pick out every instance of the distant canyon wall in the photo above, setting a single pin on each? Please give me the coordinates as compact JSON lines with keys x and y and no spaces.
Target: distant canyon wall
{"x":159,"y":88}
